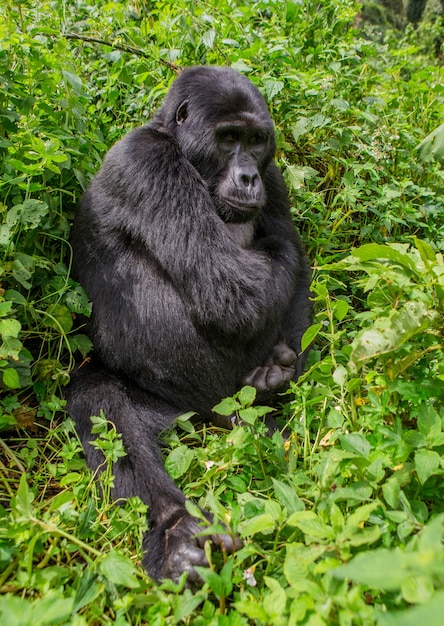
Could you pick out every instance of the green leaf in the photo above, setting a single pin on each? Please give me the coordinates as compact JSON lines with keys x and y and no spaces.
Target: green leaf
{"x":356,"y":443}
{"x":429,"y":422}
{"x":5,"y":307}
{"x":59,"y":317}
{"x":417,"y":589}
{"x":287,"y":496}
{"x":374,"y":252}
{"x":432,"y":146}
{"x":425,"y":250}
{"x":429,"y":614}
{"x":178,"y":461}
{"x":264,"y":524}
{"x":52,"y":610}
{"x":272,"y":87}
{"x":390,"y":333}
{"x":214,"y":580}
{"x":247,"y":395}
{"x":29,"y":214}
{"x":310,"y":335}
{"x":118,"y":569}
{"x":301,"y":127}
{"x":275,"y":601}
{"x":340,"y":310}
{"x":88,"y":590}
{"x":73,"y":80}
{"x":9,"y":327}
{"x":311,"y":524}
{"x":248,"y":415}
{"x":379,"y":569}
{"x":426,"y":464}
{"x":186,"y":603}
{"x":228,"y":406}
{"x":11,"y":378}
{"x":22,"y":502}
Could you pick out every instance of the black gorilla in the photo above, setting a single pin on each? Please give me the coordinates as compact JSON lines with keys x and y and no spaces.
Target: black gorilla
{"x":199,"y":283}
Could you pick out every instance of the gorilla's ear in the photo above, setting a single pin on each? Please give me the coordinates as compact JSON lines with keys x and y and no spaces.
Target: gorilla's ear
{"x":182,"y":112}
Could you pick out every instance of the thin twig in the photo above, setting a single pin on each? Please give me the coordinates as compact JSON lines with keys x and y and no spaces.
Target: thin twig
{"x":12,"y":455}
{"x":124,"y":47}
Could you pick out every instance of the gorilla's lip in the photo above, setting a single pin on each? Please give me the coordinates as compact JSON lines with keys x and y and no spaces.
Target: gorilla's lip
{"x":243,"y":206}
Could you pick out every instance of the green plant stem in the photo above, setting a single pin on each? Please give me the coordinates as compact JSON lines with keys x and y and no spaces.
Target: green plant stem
{"x":13,"y":456}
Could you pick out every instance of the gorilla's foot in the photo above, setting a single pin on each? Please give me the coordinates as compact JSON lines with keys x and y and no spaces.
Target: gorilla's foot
{"x":173,"y":548}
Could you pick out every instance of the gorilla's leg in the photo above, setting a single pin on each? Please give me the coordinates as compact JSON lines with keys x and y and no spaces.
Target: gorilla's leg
{"x":170,"y":545}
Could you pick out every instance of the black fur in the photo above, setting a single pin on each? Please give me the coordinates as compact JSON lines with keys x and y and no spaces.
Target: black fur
{"x":199,"y":283}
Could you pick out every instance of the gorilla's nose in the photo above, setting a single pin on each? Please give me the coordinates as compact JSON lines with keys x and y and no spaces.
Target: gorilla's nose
{"x":247,"y":177}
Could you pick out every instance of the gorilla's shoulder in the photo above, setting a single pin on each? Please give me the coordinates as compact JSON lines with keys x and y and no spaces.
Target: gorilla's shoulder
{"x":143,"y":144}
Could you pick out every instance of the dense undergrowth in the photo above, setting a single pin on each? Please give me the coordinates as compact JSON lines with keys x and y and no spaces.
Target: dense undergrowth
{"x":343,"y":520}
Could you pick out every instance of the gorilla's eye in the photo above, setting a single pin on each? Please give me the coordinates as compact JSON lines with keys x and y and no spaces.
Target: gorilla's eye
{"x":229,"y":136}
{"x":258,"y":139}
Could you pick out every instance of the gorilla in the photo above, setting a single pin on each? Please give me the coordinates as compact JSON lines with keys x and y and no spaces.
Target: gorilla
{"x":199,"y":282}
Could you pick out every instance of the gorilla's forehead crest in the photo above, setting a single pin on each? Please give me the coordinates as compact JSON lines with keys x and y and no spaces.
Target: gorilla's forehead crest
{"x":220,"y":91}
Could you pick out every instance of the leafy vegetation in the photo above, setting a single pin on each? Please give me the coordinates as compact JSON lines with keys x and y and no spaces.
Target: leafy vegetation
{"x":343,"y":519}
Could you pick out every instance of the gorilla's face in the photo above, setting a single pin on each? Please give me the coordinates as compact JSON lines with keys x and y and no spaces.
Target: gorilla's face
{"x":225,"y":131}
{"x":242,"y":147}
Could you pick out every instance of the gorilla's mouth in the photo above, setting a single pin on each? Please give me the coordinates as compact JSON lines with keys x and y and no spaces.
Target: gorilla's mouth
{"x":243,"y":205}
{"x":232,"y":210}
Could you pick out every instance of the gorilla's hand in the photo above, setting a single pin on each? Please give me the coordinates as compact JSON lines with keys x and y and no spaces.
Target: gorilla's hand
{"x":173,"y":548}
{"x":277,"y":372}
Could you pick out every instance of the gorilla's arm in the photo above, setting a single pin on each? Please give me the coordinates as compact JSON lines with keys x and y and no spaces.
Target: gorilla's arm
{"x":286,"y":361}
{"x":149,"y":192}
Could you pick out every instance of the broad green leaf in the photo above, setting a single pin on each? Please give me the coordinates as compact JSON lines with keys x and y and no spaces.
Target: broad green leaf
{"x":432,"y":146}
{"x":52,"y":609}
{"x":11,"y":378}
{"x":379,"y":569}
{"x":23,"y":500}
{"x":29,"y":214}
{"x":356,"y":443}
{"x":429,"y":422}
{"x":252,"y":609}
{"x":248,"y":415}
{"x":301,"y":127}
{"x":15,"y":296}
{"x":186,"y":603}
{"x":310,"y":335}
{"x":208,"y":38}
{"x":390,"y":333}
{"x":5,"y":307}
{"x":417,"y":589}
{"x":88,"y":590}
{"x":247,"y":395}
{"x":73,"y":80}
{"x":178,"y":461}
{"x":264,"y":524}
{"x":118,"y":569}
{"x":275,"y":601}
{"x":425,"y":250}
{"x":228,"y":406}
{"x":340,"y":309}
{"x":375,"y":251}
{"x":272,"y":87}
{"x":214,"y":580}
{"x":426,"y":464}
{"x":287,"y":496}
{"x":9,"y":327}
{"x":429,"y":614}
{"x":340,"y":375}
{"x":59,"y":317}
{"x":311,"y":524}
{"x":15,"y":611}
